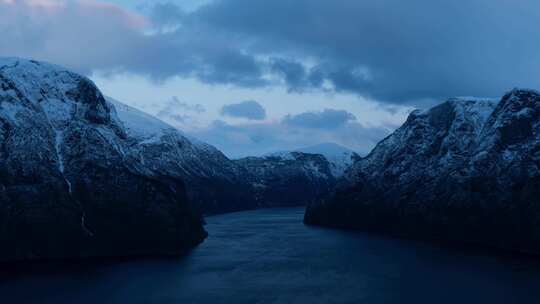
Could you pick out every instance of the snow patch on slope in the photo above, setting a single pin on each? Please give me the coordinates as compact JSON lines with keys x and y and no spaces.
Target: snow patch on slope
{"x":140,"y":125}
{"x":283,"y":155}
{"x":29,"y":77}
{"x":340,"y":158}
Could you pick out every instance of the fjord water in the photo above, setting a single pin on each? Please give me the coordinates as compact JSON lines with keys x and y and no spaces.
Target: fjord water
{"x":270,"y":256}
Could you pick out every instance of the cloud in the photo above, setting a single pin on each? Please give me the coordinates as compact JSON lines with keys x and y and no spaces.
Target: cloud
{"x":389,"y":50}
{"x":166,"y":15}
{"x":261,"y":138}
{"x":326,"y":119}
{"x":175,"y":105}
{"x":82,"y":35}
{"x":90,"y":35}
{"x":294,"y":74}
{"x":249,"y":109}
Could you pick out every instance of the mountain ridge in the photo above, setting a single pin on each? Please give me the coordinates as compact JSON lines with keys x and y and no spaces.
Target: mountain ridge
{"x":339,"y":157}
{"x":290,"y":178}
{"x":463,"y":170}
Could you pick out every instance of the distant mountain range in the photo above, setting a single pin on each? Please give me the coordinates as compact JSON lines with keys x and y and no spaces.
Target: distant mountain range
{"x":289,"y":178}
{"x":340,"y":158}
{"x":214,"y":183}
{"x":294,"y":178}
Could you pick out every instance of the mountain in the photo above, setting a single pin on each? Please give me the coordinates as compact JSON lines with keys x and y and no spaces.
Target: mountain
{"x":289,"y":178}
{"x":214,"y":183}
{"x":467,"y":170}
{"x":294,"y":178}
{"x":340,"y":158}
{"x":74,"y":180}
{"x":217,"y":184}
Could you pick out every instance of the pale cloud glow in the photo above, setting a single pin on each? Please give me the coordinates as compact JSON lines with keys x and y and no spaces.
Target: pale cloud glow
{"x":36,"y":3}
{"x":131,"y":19}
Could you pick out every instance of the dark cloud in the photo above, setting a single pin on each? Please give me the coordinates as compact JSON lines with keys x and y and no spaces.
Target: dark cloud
{"x":294,"y":74}
{"x":390,"y":50}
{"x":249,"y":109}
{"x":327,"y":119}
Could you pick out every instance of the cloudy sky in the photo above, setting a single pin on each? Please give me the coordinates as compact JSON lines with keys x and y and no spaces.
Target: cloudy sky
{"x":255,"y":76}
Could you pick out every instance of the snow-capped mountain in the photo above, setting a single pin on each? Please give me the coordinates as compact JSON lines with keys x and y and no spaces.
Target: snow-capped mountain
{"x":289,"y":178}
{"x":340,"y":158}
{"x":294,"y":178}
{"x":466,"y":170}
{"x":74,"y":181}
{"x":214,"y":183}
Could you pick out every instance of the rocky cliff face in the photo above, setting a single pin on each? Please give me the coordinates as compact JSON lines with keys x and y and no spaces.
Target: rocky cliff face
{"x":72,"y":179}
{"x":466,"y":170}
{"x":289,"y":178}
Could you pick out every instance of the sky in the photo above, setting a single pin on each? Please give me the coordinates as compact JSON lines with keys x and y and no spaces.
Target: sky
{"x":256,"y":76}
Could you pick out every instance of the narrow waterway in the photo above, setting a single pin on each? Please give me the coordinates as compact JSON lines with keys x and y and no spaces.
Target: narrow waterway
{"x":270,"y":256}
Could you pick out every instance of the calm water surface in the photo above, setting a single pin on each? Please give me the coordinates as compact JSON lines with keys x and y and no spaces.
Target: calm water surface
{"x":269,"y":256}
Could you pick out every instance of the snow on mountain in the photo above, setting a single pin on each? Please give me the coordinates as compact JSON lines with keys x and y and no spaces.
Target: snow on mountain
{"x":138,"y":124}
{"x":466,"y":170}
{"x":69,"y":184}
{"x":289,"y":178}
{"x":217,"y":184}
{"x":326,"y":149}
{"x":214,"y":183}
{"x":340,"y":158}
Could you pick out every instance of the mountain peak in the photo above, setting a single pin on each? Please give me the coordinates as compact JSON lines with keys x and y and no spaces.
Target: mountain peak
{"x":521,"y":92}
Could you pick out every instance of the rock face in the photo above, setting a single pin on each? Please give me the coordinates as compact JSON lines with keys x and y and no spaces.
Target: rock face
{"x":73,"y":180}
{"x":467,"y":170}
{"x":289,"y":178}
{"x":214,"y":183}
